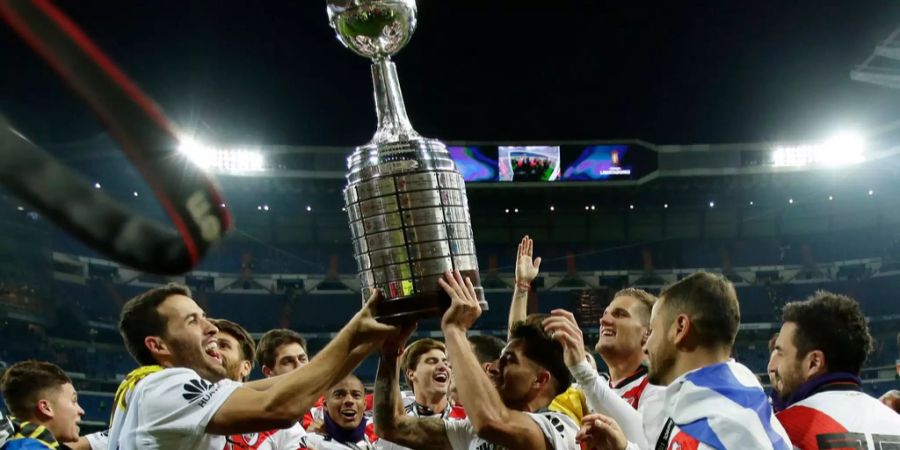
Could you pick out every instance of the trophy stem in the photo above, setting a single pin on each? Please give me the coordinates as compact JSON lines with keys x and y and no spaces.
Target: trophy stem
{"x":393,"y":123}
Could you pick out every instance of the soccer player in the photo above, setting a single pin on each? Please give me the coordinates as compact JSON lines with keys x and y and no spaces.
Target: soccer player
{"x":281,"y":351}
{"x":624,"y":328}
{"x":238,"y":352}
{"x":44,"y":404}
{"x":823,"y":344}
{"x":346,"y":425}
{"x":507,"y":411}
{"x":180,"y":397}
{"x":427,"y":370}
{"x":710,"y":401}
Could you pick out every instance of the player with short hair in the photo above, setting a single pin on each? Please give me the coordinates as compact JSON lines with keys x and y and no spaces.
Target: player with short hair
{"x":180,"y":398}
{"x":710,"y":401}
{"x":44,"y":404}
{"x":820,"y":351}
{"x":507,"y":411}
{"x":281,"y":351}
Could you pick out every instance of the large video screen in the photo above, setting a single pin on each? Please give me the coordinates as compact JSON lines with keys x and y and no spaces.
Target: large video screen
{"x":475,"y":163}
{"x":529,"y":163}
{"x":607,"y":162}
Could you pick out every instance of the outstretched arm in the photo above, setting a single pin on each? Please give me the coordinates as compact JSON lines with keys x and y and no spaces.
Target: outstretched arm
{"x":391,"y":422}
{"x":489,"y":416}
{"x":526,"y":271}
{"x":285,"y":401}
{"x":600,"y":398}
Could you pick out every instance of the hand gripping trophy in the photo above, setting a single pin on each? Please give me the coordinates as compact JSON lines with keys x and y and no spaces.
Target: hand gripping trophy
{"x":409,"y":217}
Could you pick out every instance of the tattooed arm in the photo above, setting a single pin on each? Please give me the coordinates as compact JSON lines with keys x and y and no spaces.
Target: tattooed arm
{"x":392,"y":423}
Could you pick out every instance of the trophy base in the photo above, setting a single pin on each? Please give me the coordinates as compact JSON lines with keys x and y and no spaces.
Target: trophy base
{"x":425,"y":305}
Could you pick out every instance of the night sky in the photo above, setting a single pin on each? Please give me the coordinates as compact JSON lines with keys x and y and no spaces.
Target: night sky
{"x":271,"y":72}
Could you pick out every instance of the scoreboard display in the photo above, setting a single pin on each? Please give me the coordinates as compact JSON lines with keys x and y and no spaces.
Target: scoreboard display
{"x":554,"y":164}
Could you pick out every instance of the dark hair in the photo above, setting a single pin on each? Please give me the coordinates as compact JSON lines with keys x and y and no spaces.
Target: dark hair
{"x":834,"y":324}
{"x":543,"y":350}
{"x":248,"y":345}
{"x":414,"y":351}
{"x":645,"y":299}
{"x":710,"y":302}
{"x":487,"y":348}
{"x":23,"y":382}
{"x":269,"y":343}
{"x":141,"y":318}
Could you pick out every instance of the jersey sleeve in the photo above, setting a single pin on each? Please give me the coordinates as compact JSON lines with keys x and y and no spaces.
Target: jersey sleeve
{"x":558,"y":429}
{"x":600,"y":398}
{"x":179,"y":401}
{"x":98,"y":440}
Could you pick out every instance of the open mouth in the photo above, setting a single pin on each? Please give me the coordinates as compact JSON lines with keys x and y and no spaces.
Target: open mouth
{"x":348,"y":414}
{"x":441,"y":377}
{"x":607,"y":332}
{"x":212,"y":350}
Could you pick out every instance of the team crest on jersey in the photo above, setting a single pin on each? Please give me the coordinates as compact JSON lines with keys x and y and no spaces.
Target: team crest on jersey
{"x":249,"y":441}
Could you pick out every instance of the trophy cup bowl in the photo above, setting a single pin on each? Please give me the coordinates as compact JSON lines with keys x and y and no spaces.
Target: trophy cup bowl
{"x":374,"y":29}
{"x":409,"y":216}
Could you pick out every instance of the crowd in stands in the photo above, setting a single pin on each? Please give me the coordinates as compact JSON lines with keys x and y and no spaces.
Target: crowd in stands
{"x":672,"y":373}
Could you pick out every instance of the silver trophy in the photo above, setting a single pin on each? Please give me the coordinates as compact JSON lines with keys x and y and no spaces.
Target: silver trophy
{"x":409,"y":216}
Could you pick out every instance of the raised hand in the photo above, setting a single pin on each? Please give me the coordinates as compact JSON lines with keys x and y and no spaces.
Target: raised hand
{"x":563,"y":328}
{"x":599,"y":432}
{"x":366,"y":331}
{"x":464,"y":308}
{"x":526,"y":268}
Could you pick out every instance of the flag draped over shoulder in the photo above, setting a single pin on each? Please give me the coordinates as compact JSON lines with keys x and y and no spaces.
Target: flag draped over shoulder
{"x":725,"y":407}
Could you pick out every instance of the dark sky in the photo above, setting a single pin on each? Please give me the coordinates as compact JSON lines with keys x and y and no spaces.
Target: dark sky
{"x":674,"y":72}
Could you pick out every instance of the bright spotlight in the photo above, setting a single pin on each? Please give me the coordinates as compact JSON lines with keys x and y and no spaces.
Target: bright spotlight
{"x":552,"y":208}
{"x":516,"y":210}
{"x":308,"y":208}
{"x":871,"y":192}
{"x":666,"y":206}
{"x":630,"y":206}
{"x":97,"y":185}
{"x":791,"y":201}
{"x":221,"y":159}
{"x":842,"y":149}
{"x":135,"y":193}
{"x":712,"y":204}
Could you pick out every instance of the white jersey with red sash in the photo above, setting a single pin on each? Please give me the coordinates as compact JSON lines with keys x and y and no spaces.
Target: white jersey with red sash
{"x":634,"y":387}
{"x":840,"y":416}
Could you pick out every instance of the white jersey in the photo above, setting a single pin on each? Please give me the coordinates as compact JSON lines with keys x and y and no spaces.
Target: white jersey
{"x":286,"y":439}
{"x":558,"y":429}
{"x":98,"y":440}
{"x":839,"y":418}
{"x":170,"y":409}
